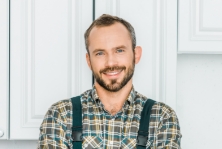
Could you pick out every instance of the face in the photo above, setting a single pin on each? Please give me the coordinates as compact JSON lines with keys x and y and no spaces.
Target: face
{"x":111,"y":57}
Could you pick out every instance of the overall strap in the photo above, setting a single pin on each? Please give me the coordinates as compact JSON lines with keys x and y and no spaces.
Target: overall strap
{"x":76,"y":122}
{"x":143,"y":132}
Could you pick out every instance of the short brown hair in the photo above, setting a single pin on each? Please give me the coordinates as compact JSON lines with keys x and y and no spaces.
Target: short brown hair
{"x":107,"y":20}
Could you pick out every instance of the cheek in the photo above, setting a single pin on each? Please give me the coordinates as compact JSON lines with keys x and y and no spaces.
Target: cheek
{"x":98,"y":61}
{"x":96,"y":65}
{"x":127,"y":60}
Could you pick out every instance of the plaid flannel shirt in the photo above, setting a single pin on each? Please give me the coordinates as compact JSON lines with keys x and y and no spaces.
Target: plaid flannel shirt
{"x":102,"y":130}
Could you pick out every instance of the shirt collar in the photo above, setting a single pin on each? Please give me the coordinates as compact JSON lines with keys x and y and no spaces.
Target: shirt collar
{"x":94,"y":93}
{"x":130,"y":98}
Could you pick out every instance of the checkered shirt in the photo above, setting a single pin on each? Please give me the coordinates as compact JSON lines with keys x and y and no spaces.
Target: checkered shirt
{"x":101,"y":130}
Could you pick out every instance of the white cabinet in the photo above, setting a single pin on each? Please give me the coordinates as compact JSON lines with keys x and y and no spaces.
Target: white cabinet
{"x":155,"y":24}
{"x":47,"y":59}
{"x":47,"y":51}
{"x":4,"y":68}
{"x":200,"y":26}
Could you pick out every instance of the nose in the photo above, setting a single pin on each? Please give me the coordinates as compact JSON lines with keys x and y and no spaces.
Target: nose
{"x":111,"y":60}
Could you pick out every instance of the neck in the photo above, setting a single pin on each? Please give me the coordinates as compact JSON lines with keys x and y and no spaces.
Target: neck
{"x":113,"y":101}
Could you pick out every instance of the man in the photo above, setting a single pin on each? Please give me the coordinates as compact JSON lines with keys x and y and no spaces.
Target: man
{"x":111,"y":110}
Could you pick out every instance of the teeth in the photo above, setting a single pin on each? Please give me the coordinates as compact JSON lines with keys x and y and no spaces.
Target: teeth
{"x":113,"y":73}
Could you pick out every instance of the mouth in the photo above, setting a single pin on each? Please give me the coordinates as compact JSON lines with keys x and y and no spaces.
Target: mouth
{"x":113,"y":73}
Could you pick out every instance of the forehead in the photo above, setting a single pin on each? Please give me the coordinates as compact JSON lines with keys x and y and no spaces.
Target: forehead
{"x":113,"y":27}
{"x":116,"y":33}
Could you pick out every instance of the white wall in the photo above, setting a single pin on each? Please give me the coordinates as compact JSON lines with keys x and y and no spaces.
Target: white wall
{"x":199,"y":94}
{"x":18,"y":144}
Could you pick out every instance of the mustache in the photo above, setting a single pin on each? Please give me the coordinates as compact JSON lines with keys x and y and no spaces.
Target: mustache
{"x":107,"y":69}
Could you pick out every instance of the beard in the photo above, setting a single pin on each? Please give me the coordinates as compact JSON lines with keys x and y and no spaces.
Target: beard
{"x":114,"y":85}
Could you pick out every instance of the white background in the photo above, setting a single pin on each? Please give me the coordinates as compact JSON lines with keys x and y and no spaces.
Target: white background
{"x":197,"y":75}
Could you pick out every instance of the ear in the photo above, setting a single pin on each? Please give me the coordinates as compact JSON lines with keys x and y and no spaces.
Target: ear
{"x":138,"y":54}
{"x":88,"y":60}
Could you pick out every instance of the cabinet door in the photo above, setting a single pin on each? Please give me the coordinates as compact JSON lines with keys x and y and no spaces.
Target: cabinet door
{"x":4,"y":66}
{"x":200,"y":26}
{"x":47,"y":59}
{"x":155,"y":24}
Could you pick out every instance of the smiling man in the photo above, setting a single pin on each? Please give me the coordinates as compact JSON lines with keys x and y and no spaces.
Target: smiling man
{"x":112,"y":114}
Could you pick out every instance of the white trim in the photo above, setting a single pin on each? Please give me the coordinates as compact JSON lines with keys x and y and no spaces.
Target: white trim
{"x":165,"y":52}
{"x":199,"y":52}
{"x":4,"y":68}
{"x":198,"y":31}
{"x":81,"y":75}
{"x":111,"y":7}
{"x":170,"y":52}
{"x":76,"y":36}
{"x":156,"y":51}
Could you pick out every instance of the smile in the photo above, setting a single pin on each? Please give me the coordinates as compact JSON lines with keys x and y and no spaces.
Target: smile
{"x":112,"y":73}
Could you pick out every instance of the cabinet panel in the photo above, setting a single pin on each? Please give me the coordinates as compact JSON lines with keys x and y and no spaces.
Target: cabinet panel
{"x":199,"y":101}
{"x":4,"y":68}
{"x":47,"y":59}
{"x":200,"y":26}
{"x":155,"y":24}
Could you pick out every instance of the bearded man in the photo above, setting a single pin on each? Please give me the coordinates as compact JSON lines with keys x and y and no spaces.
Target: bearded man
{"x":111,"y":113}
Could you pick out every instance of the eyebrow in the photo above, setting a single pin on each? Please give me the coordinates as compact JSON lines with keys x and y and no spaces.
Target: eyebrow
{"x":97,"y":50}
{"x":118,"y":47}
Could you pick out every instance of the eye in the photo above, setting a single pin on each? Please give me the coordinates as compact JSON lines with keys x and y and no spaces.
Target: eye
{"x":99,"y":53}
{"x":119,"y":50}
